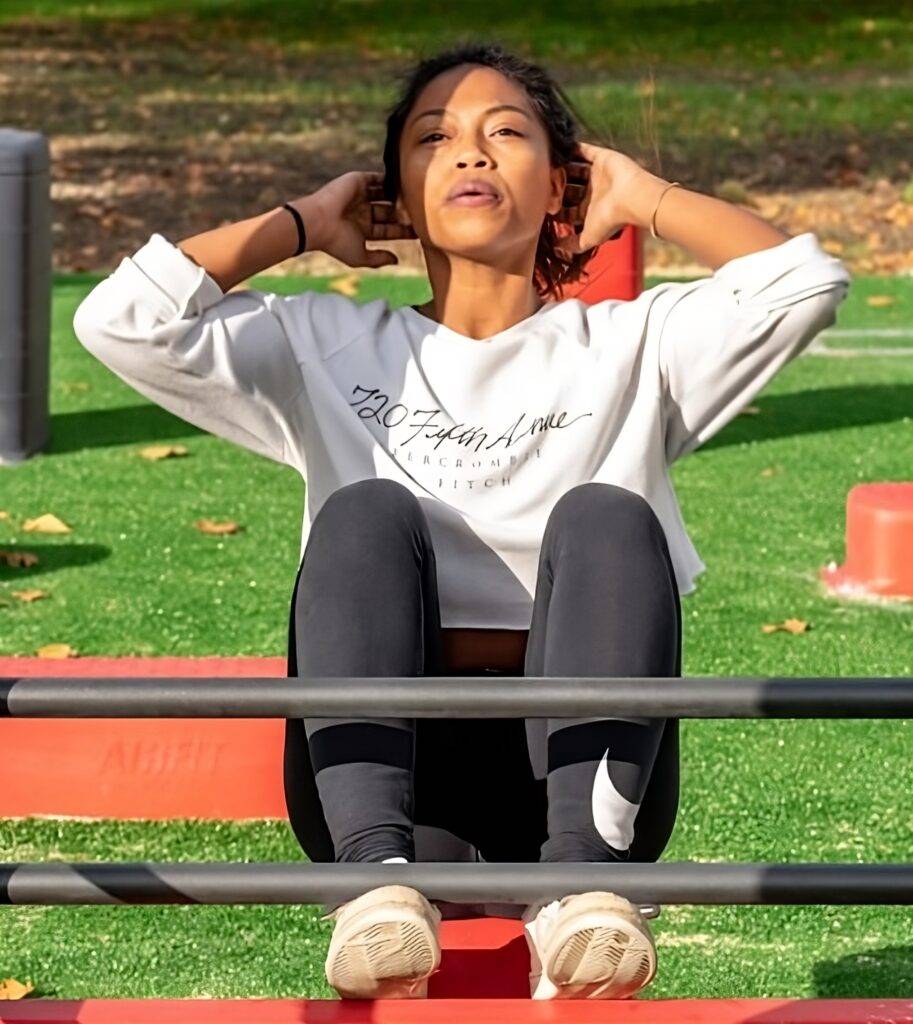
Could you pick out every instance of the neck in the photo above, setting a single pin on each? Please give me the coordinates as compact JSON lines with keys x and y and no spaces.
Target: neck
{"x":478,"y":300}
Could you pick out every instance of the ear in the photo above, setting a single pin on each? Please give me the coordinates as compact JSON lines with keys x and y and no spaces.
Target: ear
{"x":556,"y":201}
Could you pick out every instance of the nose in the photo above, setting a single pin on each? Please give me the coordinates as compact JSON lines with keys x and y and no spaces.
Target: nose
{"x":481,"y":162}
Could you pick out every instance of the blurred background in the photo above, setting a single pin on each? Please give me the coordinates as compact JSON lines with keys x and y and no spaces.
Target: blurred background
{"x":176,"y":116}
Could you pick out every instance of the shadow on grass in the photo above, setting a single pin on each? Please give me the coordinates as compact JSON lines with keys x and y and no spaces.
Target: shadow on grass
{"x":51,"y":558}
{"x":802,"y":412}
{"x":105,"y":428}
{"x":885,"y":973}
{"x":818,"y":411}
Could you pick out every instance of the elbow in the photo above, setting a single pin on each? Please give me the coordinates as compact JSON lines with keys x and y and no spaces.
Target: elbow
{"x":817,"y":313}
{"x":87,"y":325}
{"x":102,"y":325}
{"x":828,"y":302}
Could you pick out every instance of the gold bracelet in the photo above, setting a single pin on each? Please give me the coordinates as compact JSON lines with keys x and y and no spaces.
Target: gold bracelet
{"x":658,"y":201}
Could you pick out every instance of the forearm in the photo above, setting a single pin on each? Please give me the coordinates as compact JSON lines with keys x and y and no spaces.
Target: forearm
{"x":235,"y":252}
{"x":712,"y":230}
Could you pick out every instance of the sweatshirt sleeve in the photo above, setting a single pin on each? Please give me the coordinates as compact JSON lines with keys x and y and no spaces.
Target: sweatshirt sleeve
{"x":222,"y":361}
{"x":725,"y":336}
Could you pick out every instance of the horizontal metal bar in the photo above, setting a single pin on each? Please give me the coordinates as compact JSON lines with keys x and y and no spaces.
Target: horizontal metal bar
{"x":457,"y":697}
{"x":294,"y":882}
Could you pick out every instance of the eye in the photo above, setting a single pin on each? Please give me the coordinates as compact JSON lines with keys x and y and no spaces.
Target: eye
{"x":511,"y":130}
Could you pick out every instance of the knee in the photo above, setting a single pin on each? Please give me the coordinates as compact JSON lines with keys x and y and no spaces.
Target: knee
{"x":607,"y":511}
{"x":369,"y":509}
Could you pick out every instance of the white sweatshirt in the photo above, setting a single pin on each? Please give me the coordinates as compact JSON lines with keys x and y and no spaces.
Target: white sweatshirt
{"x":487,"y":434}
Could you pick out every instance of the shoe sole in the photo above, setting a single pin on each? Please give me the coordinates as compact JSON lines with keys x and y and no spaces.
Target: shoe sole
{"x":385,"y":946}
{"x":600,"y":950}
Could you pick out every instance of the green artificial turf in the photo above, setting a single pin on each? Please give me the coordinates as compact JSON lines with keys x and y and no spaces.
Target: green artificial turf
{"x":134,"y":577}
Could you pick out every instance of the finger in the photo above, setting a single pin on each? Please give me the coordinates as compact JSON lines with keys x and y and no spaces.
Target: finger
{"x":384,"y":222}
{"x":385,"y":232}
{"x":380,"y":258}
{"x":374,"y":185}
{"x":575,"y":215}
{"x":574,"y":194}
{"x":383,"y":211}
{"x":578,"y":169}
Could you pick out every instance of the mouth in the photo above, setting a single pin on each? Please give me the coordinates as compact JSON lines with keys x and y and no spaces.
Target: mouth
{"x":474,"y":192}
{"x":472,"y":198}
{"x":475,"y":199}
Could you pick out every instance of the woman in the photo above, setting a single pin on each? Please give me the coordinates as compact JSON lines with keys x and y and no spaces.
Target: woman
{"x":487,"y":485}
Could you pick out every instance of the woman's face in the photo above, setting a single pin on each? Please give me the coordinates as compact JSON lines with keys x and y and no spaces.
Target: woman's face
{"x":506,"y":147}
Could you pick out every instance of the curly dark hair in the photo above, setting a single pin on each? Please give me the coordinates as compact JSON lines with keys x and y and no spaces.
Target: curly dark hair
{"x":556,"y":113}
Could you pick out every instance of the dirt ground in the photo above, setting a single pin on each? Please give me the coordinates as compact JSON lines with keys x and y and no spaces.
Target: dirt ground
{"x":151,"y":128}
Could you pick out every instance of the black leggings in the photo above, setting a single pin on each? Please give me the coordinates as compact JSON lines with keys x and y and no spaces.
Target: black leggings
{"x":365,"y":603}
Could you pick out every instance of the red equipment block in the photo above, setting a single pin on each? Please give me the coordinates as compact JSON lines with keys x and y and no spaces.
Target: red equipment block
{"x":879,"y":544}
{"x":135,"y":768}
{"x":458,"y":1011}
{"x":614,"y":271}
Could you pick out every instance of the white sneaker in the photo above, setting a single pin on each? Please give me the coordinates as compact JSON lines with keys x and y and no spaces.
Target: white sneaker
{"x":593,"y":945}
{"x":384,"y":945}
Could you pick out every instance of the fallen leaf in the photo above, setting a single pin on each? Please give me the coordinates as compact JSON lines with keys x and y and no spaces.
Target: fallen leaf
{"x":788,"y":626}
{"x":345,"y":285}
{"x":750,"y":410}
{"x":795,"y":625}
{"x":880,"y":300}
{"x":162,"y":451}
{"x":18,"y":559}
{"x":768,"y":471}
{"x":4,"y":514}
{"x":48,"y":523}
{"x":30,"y":595}
{"x":12,"y":989}
{"x":210,"y":526}
{"x":56,"y":651}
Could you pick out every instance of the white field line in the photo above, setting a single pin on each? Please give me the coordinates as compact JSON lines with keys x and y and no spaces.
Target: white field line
{"x":818,"y":348}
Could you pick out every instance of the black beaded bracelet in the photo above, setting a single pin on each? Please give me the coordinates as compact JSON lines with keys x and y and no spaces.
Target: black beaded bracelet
{"x":302,"y":237}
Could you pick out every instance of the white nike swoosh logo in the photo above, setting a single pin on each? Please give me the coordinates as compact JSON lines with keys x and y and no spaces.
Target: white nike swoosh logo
{"x":613,"y":815}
